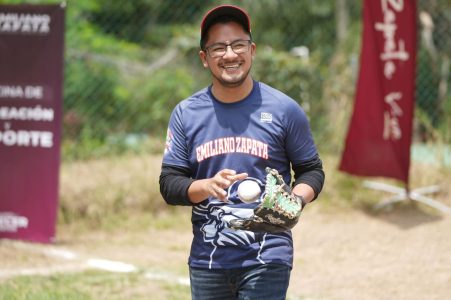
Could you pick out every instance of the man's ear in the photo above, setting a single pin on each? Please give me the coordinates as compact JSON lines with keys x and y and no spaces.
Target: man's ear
{"x":253,"y":50}
{"x":203,"y":58}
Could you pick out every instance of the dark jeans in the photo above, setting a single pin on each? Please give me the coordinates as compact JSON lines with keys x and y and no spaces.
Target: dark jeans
{"x":268,"y":282}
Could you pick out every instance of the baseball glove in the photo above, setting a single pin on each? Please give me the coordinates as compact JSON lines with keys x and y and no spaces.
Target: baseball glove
{"x":279,"y":210}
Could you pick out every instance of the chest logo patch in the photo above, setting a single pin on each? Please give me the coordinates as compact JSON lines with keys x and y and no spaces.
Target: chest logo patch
{"x":266,"y":117}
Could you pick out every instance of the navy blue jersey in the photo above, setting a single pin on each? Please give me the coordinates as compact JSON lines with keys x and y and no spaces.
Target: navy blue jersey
{"x":266,"y":129}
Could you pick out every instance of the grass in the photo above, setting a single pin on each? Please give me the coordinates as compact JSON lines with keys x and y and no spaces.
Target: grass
{"x":90,"y":285}
{"x":103,"y":193}
{"x":92,"y":190}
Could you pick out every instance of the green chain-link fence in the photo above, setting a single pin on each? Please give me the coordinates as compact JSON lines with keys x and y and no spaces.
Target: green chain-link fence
{"x":128,"y":63}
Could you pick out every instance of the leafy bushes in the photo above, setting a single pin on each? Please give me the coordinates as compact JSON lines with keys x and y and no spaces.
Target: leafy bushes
{"x":128,"y":63}
{"x":298,"y":77}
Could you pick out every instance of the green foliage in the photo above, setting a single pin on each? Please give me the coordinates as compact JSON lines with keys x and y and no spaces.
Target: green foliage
{"x":297,"y":30}
{"x":128,"y":63}
{"x":109,"y":92}
{"x":155,"y":96}
{"x":297,"y":77}
{"x":147,"y":22}
{"x":427,"y":95}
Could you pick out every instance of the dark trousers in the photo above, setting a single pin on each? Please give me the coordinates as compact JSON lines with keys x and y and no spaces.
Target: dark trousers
{"x":268,"y":282}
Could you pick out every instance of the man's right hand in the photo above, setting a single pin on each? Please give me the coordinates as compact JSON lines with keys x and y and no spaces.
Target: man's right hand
{"x":201,"y":189}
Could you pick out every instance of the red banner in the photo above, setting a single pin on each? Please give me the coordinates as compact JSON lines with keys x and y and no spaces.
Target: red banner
{"x":31,"y":77}
{"x":380,"y":132}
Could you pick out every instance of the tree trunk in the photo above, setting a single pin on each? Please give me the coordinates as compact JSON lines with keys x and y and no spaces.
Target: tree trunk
{"x":342,"y":20}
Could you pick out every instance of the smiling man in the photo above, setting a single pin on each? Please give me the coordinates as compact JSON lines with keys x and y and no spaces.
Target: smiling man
{"x":221,"y":136}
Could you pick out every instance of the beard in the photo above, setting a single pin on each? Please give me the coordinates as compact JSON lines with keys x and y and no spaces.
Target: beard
{"x":232,"y":82}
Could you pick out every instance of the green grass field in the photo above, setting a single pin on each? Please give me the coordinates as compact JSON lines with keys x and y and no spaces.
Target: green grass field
{"x":90,"y":285}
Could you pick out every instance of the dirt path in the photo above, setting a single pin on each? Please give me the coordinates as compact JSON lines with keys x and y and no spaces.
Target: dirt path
{"x":404,"y":254}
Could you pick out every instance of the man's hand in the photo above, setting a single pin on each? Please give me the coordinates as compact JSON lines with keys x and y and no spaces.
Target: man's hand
{"x":222,"y":180}
{"x":215,"y":186}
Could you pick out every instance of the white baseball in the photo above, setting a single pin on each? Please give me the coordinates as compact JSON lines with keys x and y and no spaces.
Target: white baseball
{"x":249,"y":191}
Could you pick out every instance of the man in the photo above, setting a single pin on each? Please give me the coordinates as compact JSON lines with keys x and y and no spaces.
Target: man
{"x":219,"y":136}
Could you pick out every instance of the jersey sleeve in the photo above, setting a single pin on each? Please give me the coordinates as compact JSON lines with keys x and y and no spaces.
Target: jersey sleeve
{"x":299,"y":142}
{"x":176,"y":150}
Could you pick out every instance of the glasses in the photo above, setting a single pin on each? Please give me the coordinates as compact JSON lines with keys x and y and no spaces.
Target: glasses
{"x":220,"y":49}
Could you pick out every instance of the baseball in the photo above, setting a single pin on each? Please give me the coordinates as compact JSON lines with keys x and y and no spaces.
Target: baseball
{"x":248,"y":191}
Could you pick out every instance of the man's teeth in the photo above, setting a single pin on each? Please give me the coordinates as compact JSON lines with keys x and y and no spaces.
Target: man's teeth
{"x":231,"y":66}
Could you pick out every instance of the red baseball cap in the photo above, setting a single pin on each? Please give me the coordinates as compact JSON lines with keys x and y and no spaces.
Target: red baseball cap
{"x":239,"y":14}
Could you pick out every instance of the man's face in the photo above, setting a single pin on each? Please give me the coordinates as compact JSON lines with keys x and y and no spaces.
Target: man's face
{"x":231,"y":69}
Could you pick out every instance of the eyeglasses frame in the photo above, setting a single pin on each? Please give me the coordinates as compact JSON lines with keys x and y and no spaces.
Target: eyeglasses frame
{"x":207,"y":49}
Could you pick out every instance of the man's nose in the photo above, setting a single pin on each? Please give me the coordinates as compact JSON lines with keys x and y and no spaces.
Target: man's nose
{"x":229,"y":52}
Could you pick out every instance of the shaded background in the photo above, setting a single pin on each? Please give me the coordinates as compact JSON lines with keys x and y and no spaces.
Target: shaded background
{"x":128,"y":63}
